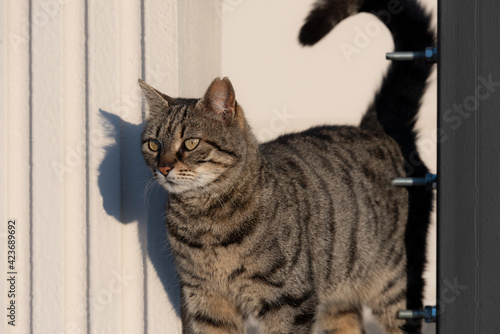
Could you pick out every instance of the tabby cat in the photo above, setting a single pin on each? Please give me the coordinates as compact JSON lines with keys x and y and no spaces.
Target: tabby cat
{"x":298,"y":233}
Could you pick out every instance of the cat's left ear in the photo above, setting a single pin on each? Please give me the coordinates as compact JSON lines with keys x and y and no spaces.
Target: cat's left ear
{"x":219,"y":100}
{"x":157,"y":101}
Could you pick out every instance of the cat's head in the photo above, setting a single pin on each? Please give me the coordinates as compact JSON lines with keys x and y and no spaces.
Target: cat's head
{"x":190,"y":144}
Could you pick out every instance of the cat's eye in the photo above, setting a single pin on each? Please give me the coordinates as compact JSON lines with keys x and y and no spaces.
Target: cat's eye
{"x":191,"y":143}
{"x":154,"y":145}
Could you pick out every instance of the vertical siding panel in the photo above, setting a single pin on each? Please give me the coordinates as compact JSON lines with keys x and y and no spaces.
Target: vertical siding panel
{"x":71,"y":170}
{"x":18,"y":150}
{"x":162,"y":72}
{"x":3,"y":151}
{"x":161,"y":45}
{"x":48,"y":177}
{"x":200,"y":38}
{"x":74,"y":144}
{"x":132,"y":166}
{"x":105,"y":270}
{"x":4,"y":126}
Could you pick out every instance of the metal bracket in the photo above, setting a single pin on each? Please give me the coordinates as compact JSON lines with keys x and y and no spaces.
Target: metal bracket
{"x":429,"y":180}
{"x":430,"y":55}
{"x":429,"y":314}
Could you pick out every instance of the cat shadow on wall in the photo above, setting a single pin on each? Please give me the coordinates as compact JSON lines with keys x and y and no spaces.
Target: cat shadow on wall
{"x":135,"y":202}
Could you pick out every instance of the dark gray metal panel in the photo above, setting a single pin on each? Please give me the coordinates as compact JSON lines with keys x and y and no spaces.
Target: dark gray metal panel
{"x":456,"y":166}
{"x":488,"y":157}
{"x":469,"y":166}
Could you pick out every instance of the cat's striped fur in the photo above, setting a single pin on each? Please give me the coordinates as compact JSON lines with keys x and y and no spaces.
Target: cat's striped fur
{"x":299,"y":232}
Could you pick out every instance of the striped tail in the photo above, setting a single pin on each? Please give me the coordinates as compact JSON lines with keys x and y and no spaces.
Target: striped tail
{"x":395,"y":109}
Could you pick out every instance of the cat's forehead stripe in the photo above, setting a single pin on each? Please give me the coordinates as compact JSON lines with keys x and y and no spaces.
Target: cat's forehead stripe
{"x":178,"y":118}
{"x":175,"y":117}
{"x":182,"y":117}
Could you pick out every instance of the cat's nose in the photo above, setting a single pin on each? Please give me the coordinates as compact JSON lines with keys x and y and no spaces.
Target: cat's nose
{"x":164,"y":170}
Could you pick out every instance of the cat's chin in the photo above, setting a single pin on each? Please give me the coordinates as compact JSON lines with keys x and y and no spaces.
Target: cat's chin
{"x":175,"y":188}
{"x":177,"y":185}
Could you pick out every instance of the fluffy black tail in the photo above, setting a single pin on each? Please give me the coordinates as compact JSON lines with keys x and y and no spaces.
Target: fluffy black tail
{"x":395,"y":109}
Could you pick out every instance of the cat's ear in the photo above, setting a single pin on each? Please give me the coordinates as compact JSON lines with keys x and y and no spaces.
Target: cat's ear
{"x":219,"y":100}
{"x":157,"y":101}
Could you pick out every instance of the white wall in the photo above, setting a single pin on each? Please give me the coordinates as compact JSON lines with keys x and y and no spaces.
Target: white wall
{"x":285,"y":87}
{"x":91,"y":255}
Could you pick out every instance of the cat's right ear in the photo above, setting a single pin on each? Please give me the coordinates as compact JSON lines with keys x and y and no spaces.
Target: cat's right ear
{"x":157,"y":101}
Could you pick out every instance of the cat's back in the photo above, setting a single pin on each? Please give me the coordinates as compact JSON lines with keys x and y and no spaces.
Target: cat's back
{"x":347,"y":168}
{"x":334,"y":148}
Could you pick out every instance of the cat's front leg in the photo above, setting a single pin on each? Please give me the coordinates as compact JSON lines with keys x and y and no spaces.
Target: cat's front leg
{"x":212,"y":314}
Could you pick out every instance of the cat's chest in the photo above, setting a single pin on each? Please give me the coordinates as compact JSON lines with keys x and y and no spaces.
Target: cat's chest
{"x":217,"y":260}
{"x":223,"y":270}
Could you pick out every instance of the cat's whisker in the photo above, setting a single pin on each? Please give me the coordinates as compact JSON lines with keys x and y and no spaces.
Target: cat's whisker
{"x":218,"y":193}
{"x":164,"y":215}
{"x":145,"y":190}
{"x":166,"y":246}
{"x":209,"y":192}
{"x":151,"y":186}
{"x":222,"y":192}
